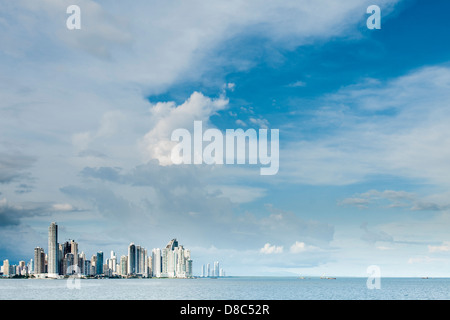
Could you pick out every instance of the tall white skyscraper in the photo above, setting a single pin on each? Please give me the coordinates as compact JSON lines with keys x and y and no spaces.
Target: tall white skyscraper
{"x":216,"y":268}
{"x":124,"y":265}
{"x":6,"y":268}
{"x":53,"y":250}
{"x":113,"y":262}
{"x":156,"y":261}
{"x":74,"y":251}
{"x":171,"y":263}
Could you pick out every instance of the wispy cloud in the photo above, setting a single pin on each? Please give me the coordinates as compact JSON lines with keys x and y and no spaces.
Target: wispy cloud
{"x":444,"y":247}
{"x":297,"y":84}
{"x":397,"y":199}
{"x":394,"y":127}
{"x":13,"y":166}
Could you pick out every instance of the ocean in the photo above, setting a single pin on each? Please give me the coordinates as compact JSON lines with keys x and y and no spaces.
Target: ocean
{"x":232,"y":288}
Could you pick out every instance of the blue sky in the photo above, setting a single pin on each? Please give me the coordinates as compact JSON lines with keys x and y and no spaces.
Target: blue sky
{"x":86,"y":117}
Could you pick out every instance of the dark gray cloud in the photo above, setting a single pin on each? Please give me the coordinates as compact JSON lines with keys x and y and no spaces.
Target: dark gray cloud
{"x":23,"y":188}
{"x":17,"y":242}
{"x":180,"y":201}
{"x":102,"y":199}
{"x":11,"y":215}
{"x":375,"y":236}
{"x":13,"y":166}
{"x":91,"y":153}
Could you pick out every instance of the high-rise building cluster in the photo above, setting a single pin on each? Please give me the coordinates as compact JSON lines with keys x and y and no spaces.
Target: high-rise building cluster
{"x":212,"y":272}
{"x":63,"y":259}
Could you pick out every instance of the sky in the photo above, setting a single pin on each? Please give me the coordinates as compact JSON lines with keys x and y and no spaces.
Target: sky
{"x":86,"y":117}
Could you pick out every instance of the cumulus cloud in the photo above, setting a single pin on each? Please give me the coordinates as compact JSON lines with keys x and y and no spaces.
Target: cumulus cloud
{"x":62,"y":207}
{"x":297,"y":247}
{"x":157,"y":142}
{"x":270,"y":249}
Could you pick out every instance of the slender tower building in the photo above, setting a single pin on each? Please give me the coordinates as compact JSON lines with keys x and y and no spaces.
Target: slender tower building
{"x":131,"y":259}
{"x":53,"y":250}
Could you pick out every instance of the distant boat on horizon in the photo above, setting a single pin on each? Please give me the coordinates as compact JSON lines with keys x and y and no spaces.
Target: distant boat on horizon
{"x":327,"y":278}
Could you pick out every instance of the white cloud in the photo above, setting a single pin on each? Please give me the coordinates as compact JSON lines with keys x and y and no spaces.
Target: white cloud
{"x":81,"y":140}
{"x":241,"y":123}
{"x":297,"y":247}
{"x":62,"y":207}
{"x":157,"y":142}
{"x":297,"y":84}
{"x":262,"y":123}
{"x":384,"y":248}
{"x":270,"y":249}
{"x":445,"y":247}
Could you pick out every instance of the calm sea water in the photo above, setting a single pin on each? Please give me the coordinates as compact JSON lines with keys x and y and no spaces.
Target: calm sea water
{"x":245,"y":288}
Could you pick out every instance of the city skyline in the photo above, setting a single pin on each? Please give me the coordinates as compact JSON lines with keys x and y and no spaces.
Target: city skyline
{"x":64,"y":259}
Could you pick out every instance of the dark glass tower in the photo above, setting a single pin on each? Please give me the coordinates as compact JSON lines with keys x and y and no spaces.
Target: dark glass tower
{"x":99,"y":263}
{"x":132,"y":259}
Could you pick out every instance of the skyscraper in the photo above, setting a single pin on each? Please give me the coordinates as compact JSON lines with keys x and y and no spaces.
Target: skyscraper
{"x":189,"y":272}
{"x":39,"y":260}
{"x":6,"y":272}
{"x":53,"y":250}
{"x":113,"y":262}
{"x":82,"y":263}
{"x":216,"y":268}
{"x":172,"y":244}
{"x":131,"y":259}
{"x":123,"y":265}
{"x":170,"y":256}
{"x":74,"y":251}
{"x":156,"y":261}
{"x":99,"y":263}
{"x":138,"y":259}
{"x":142,"y":259}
